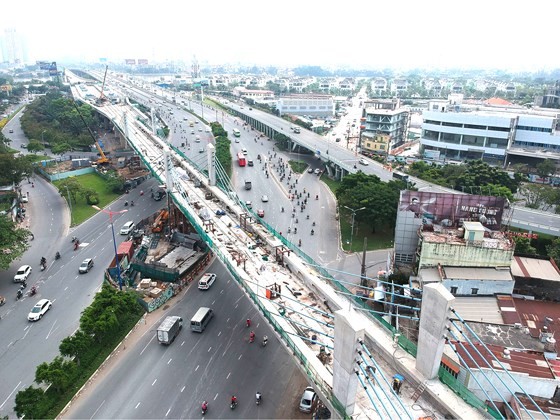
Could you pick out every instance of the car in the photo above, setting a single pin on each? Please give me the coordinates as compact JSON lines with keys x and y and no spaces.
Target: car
{"x":317,"y":171}
{"x":207,"y":129}
{"x":244,"y":151}
{"x":206,"y":281}
{"x":197,"y":139}
{"x":24,"y":199}
{"x":308,"y":400}
{"x":200,"y":129}
{"x":192,"y":131}
{"x":260,"y":212}
{"x":264,"y":198}
{"x":23,"y":272}
{"x":39,"y":310}
{"x":196,"y":121}
{"x":249,"y":204}
{"x":11,"y":131}
{"x":127,"y":228}
{"x":220,"y":212}
{"x":310,"y":171}
{"x":364,"y":162}
{"x":201,"y":150}
{"x":338,"y":139}
{"x":87,"y":265}
{"x":250,"y":109}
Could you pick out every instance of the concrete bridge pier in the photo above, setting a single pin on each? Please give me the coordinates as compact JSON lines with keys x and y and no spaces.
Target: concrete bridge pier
{"x":348,"y":332}
{"x":436,"y":302}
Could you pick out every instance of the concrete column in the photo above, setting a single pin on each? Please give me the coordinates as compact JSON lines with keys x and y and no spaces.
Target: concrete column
{"x":436,"y":301}
{"x":347,"y":331}
{"x":211,"y":155}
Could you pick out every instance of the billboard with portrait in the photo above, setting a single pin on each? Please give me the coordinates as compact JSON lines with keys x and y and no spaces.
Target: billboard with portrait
{"x":450,"y":210}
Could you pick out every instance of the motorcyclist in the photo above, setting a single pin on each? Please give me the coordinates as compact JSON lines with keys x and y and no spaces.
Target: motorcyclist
{"x":132,"y":203}
{"x":299,"y":242}
{"x":248,"y":322}
{"x":258,"y":396}
{"x":265,"y":340}
{"x":233,"y":400}
{"x":126,"y":203}
{"x":57,"y":255}
{"x":204,"y":406}
{"x":252,"y":336}
{"x":312,"y":232}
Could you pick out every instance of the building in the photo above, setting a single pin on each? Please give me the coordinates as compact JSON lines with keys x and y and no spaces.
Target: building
{"x":257,"y":95}
{"x":306,"y":104}
{"x":498,"y":134}
{"x":469,"y":281}
{"x":536,"y":276}
{"x":386,"y":117}
{"x":430,"y":228}
{"x":551,"y":99}
{"x":536,"y":372}
{"x":379,"y":85}
{"x":377,"y":144}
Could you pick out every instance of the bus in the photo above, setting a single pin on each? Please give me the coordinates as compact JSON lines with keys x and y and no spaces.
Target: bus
{"x":241,"y":159}
{"x":236,"y":132}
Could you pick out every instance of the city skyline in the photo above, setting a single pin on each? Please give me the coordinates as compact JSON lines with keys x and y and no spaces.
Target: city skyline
{"x":431,"y":34}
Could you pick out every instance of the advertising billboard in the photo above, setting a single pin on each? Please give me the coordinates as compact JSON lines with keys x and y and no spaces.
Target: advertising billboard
{"x":130,"y":61}
{"x":142,"y":62}
{"x":450,"y":210}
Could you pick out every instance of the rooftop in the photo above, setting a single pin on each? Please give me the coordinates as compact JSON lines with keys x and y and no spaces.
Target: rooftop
{"x":535,"y":268}
{"x":527,"y":362}
{"x":492,"y":239}
{"x":476,"y":273}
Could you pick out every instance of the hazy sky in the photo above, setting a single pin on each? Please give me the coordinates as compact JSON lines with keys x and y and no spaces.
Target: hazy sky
{"x":360,"y":34}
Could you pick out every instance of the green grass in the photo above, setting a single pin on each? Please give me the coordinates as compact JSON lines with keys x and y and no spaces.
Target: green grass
{"x":381,"y":239}
{"x":81,"y":210}
{"x":298,"y":166}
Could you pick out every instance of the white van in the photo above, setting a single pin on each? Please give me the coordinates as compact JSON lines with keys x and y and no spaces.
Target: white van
{"x":244,"y":151}
{"x":206,"y":281}
{"x":201,"y":319}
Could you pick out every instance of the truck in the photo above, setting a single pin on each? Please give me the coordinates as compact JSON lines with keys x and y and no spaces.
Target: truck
{"x":400,"y":176}
{"x":169,"y":329}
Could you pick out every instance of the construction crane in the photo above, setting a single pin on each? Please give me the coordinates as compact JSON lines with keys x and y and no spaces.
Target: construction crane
{"x":102,"y":98}
{"x":102,"y":159}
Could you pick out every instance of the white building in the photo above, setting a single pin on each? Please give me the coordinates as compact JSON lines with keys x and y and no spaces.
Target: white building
{"x":454,"y":131}
{"x":257,"y":95}
{"x":312,"y":104}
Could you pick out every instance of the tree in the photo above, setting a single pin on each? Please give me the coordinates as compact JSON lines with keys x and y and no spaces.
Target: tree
{"x":553,"y":250}
{"x":13,"y":242}
{"x":30,"y":403}
{"x":35,"y":146}
{"x":523,"y":246}
{"x":58,"y":374}
{"x":77,"y":346}
{"x":545,"y":168}
{"x":538,"y":195}
{"x":70,"y":186}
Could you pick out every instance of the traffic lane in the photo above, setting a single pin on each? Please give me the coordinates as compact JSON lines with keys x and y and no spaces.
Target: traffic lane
{"x":197,"y":367}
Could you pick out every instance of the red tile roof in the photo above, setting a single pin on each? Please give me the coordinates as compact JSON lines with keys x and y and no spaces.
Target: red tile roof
{"x":497,"y":101}
{"x":528,"y":362}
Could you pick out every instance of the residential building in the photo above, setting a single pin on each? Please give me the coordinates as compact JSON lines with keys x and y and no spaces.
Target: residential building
{"x":377,"y":143}
{"x":388,"y":118}
{"x":399,"y":85}
{"x":551,"y":99}
{"x":469,"y":281}
{"x":538,"y":277}
{"x":306,"y":104}
{"x":379,"y":85}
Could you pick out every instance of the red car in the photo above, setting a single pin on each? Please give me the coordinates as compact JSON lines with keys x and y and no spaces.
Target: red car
{"x":260,"y":213}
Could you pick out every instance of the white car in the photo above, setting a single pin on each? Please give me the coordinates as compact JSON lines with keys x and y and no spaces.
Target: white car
{"x":206,"y":281}
{"x":264,"y":198}
{"x":363,"y":162}
{"x":308,"y":399}
{"x":249,"y":204}
{"x":39,"y":310}
{"x":317,"y":171}
{"x":22,"y":274}
{"x":127,"y":228}
{"x":24,"y":199}
{"x":87,"y":265}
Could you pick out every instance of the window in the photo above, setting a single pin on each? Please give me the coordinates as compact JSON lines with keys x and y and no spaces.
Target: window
{"x":474,"y":291}
{"x":453,"y":290}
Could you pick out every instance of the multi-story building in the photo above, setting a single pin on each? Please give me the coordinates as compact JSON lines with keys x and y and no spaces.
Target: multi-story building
{"x":454,"y":131}
{"x":379,"y":85}
{"x":306,"y":104}
{"x":257,"y":95}
{"x":378,"y":143}
{"x":551,"y":99}
{"x":385,"y":117}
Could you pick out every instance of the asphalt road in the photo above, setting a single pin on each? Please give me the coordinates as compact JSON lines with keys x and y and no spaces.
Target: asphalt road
{"x":155,"y":381}
{"x":24,"y":344}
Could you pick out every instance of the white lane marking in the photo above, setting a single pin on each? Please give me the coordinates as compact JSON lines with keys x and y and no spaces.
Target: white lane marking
{"x":147,"y":344}
{"x":197,"y":368}
{"x":210,"y":348}
{"x":169,"y":361}
{"x":240,"y":356}
{"x":228,"y":375}
{"x":98,"y":408}
{"x":166,"y":414}
{"x":215,"y":397}
{"x":137,"y":405}
{"x":182,"y":344}
{"x":182,"y":389}
{"x":153,"y":383}
{"x":51,"y":330}
{"x":8,"y":397}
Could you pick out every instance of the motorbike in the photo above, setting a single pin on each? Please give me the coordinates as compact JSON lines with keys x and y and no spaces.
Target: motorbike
{"x":204,"y":408}
{"x":19,"y":294}
{"x":312,"y":232}
{"x":251,"y":337}
{"x":258,"y":398}
{"x":132,"y":204}
{"x":43,"y":266}
{"x":126,"y":203}
{"x":265,"y":341}
{"x":32,"y":291}
{"x":76,"y":245}
{"x":233,"y":405}
{"x":57,"y":256}
{"x":74,"y":239}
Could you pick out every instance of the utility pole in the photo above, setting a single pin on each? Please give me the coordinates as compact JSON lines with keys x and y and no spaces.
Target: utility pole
{"x":363,"y":279}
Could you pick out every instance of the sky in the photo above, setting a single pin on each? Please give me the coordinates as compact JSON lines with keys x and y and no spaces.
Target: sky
{"x":405,"y":34}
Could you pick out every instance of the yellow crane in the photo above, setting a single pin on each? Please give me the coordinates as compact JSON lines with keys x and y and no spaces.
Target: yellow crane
{"x":102,"y":159}
{"x":102,"y":98}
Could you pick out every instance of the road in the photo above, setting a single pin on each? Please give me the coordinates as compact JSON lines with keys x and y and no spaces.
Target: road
{"x":24,"y":344}
{"x":150,"y":380}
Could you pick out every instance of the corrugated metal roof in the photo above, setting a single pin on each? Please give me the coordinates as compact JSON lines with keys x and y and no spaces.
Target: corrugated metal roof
{"x":477,"y":308}
{"x":535,"y":268}
{"x":528,"y":362}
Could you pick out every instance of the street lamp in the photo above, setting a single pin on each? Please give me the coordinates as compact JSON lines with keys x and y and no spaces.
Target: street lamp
{"x":110,"y":213}
{"x":353,"y":216}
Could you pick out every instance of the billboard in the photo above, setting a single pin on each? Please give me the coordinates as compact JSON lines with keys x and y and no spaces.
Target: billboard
{"x":142,"y":62}
{"x":131,"y":61}
{"x":44,"y":65}
{"x":449,"y":210}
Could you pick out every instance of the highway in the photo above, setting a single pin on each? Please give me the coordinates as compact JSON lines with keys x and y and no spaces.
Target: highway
{"x":155,"y":381}
{"x":24,"y":344}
